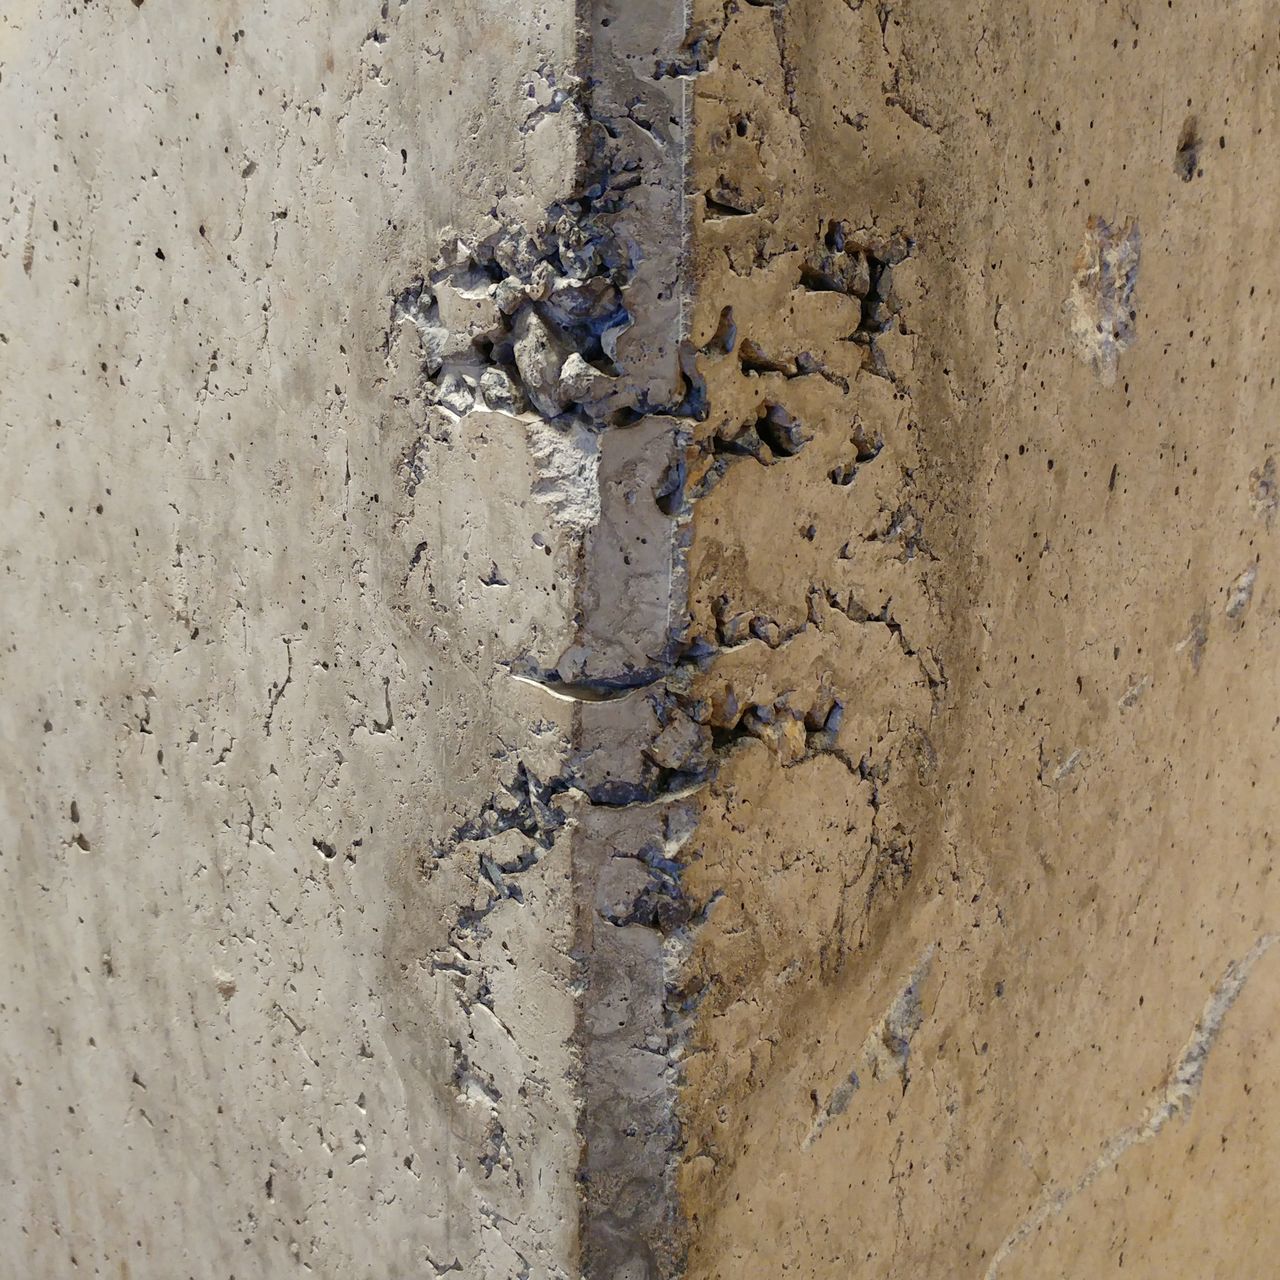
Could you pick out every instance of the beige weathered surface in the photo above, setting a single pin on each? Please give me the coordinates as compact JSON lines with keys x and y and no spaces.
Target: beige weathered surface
{"x":255,"y":605}
{"x":990,"y":990}
{"x":633,"y":651}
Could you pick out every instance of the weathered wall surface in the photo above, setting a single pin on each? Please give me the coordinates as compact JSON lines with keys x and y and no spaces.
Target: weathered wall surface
{"x":638,"y":643}
{"x":987,"y":984}
{"x":256,"y":602}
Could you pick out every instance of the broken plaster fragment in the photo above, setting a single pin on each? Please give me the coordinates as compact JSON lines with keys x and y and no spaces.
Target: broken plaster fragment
{"x":434,"y":342}
{"x":766,"y":629}
{"x":735,"y":629}
{"x":516,"y":253}
{"x":609,"y":338}
{"x":579,"y":249}
{"x":1196,"y":639}
{"x":509,"y":294}
{"x":794,"y":745}
{"x":1264,"y":497}
{"x":580,"y":382}
{"x":501,"y":391}
{"x":681,"y":745}
{"x":541,"y":280}
{"x":466,"y":308}
{"x":454,"y":394}
{"x":1099,"y":308}
{"x":540,"y":357}
{"x":780,"y":431}
{"x":782,"y":731}
{"x":1241,"y":592}
{"x":837,"y":266}
{"x":726,"y":708}
{"x":1133,"y":694}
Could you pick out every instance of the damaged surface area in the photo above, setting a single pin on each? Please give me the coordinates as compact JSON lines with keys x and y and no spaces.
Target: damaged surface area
{"x":604,"y":683}
{"x":690,"y":690}
{"x":979,"y":524}
{"x":1100,"y":307}
{"x":810,"y":574}
{"x":559,"y":341}
{"x":885,"y":1053}
{"x":1175,"y":1099}
{"x":529,"y":319}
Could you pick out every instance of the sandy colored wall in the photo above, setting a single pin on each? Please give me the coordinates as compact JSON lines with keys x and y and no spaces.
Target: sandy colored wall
{"x":990,"y":989}
{"x":637,"y":643}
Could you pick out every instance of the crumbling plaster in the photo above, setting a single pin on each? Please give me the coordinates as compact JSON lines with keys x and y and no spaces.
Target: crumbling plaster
{"x":637,"y":639}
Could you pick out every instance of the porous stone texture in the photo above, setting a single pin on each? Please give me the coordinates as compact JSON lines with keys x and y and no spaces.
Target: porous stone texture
{"x":986,"y":980}
{"x":258,"y":600}
{"x":638,"y":640}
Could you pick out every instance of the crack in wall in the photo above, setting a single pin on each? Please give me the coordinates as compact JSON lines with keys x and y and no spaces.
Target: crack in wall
{"x":573,"y":330}
{"x":886,"y":1050}
{"x":1177,"y":1097}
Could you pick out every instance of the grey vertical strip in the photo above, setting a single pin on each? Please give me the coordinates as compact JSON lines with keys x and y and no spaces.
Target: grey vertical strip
{"x":633,"y":605}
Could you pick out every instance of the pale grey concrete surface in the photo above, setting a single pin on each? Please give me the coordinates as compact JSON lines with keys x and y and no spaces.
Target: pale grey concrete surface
{"x":256,"y":607}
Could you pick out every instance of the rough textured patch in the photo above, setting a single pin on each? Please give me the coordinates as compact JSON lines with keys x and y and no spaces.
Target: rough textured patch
{"x":1037,"y":587}
{"x":1100,"y":306}
{"x":600,"y":678}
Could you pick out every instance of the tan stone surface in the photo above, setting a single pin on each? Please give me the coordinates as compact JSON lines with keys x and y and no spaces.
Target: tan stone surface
{"x":1039,"y":849}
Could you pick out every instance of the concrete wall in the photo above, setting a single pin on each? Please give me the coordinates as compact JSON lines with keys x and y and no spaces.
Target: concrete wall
{"x":256,"y":601}
{"x":637,"y":643}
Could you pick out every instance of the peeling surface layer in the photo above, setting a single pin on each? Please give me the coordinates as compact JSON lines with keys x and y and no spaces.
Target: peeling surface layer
{"x":639,"y":640}
{"x":985,"y":584}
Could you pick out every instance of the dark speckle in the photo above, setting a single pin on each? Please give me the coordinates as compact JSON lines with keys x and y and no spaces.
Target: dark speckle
{"x":1187,"y":157}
